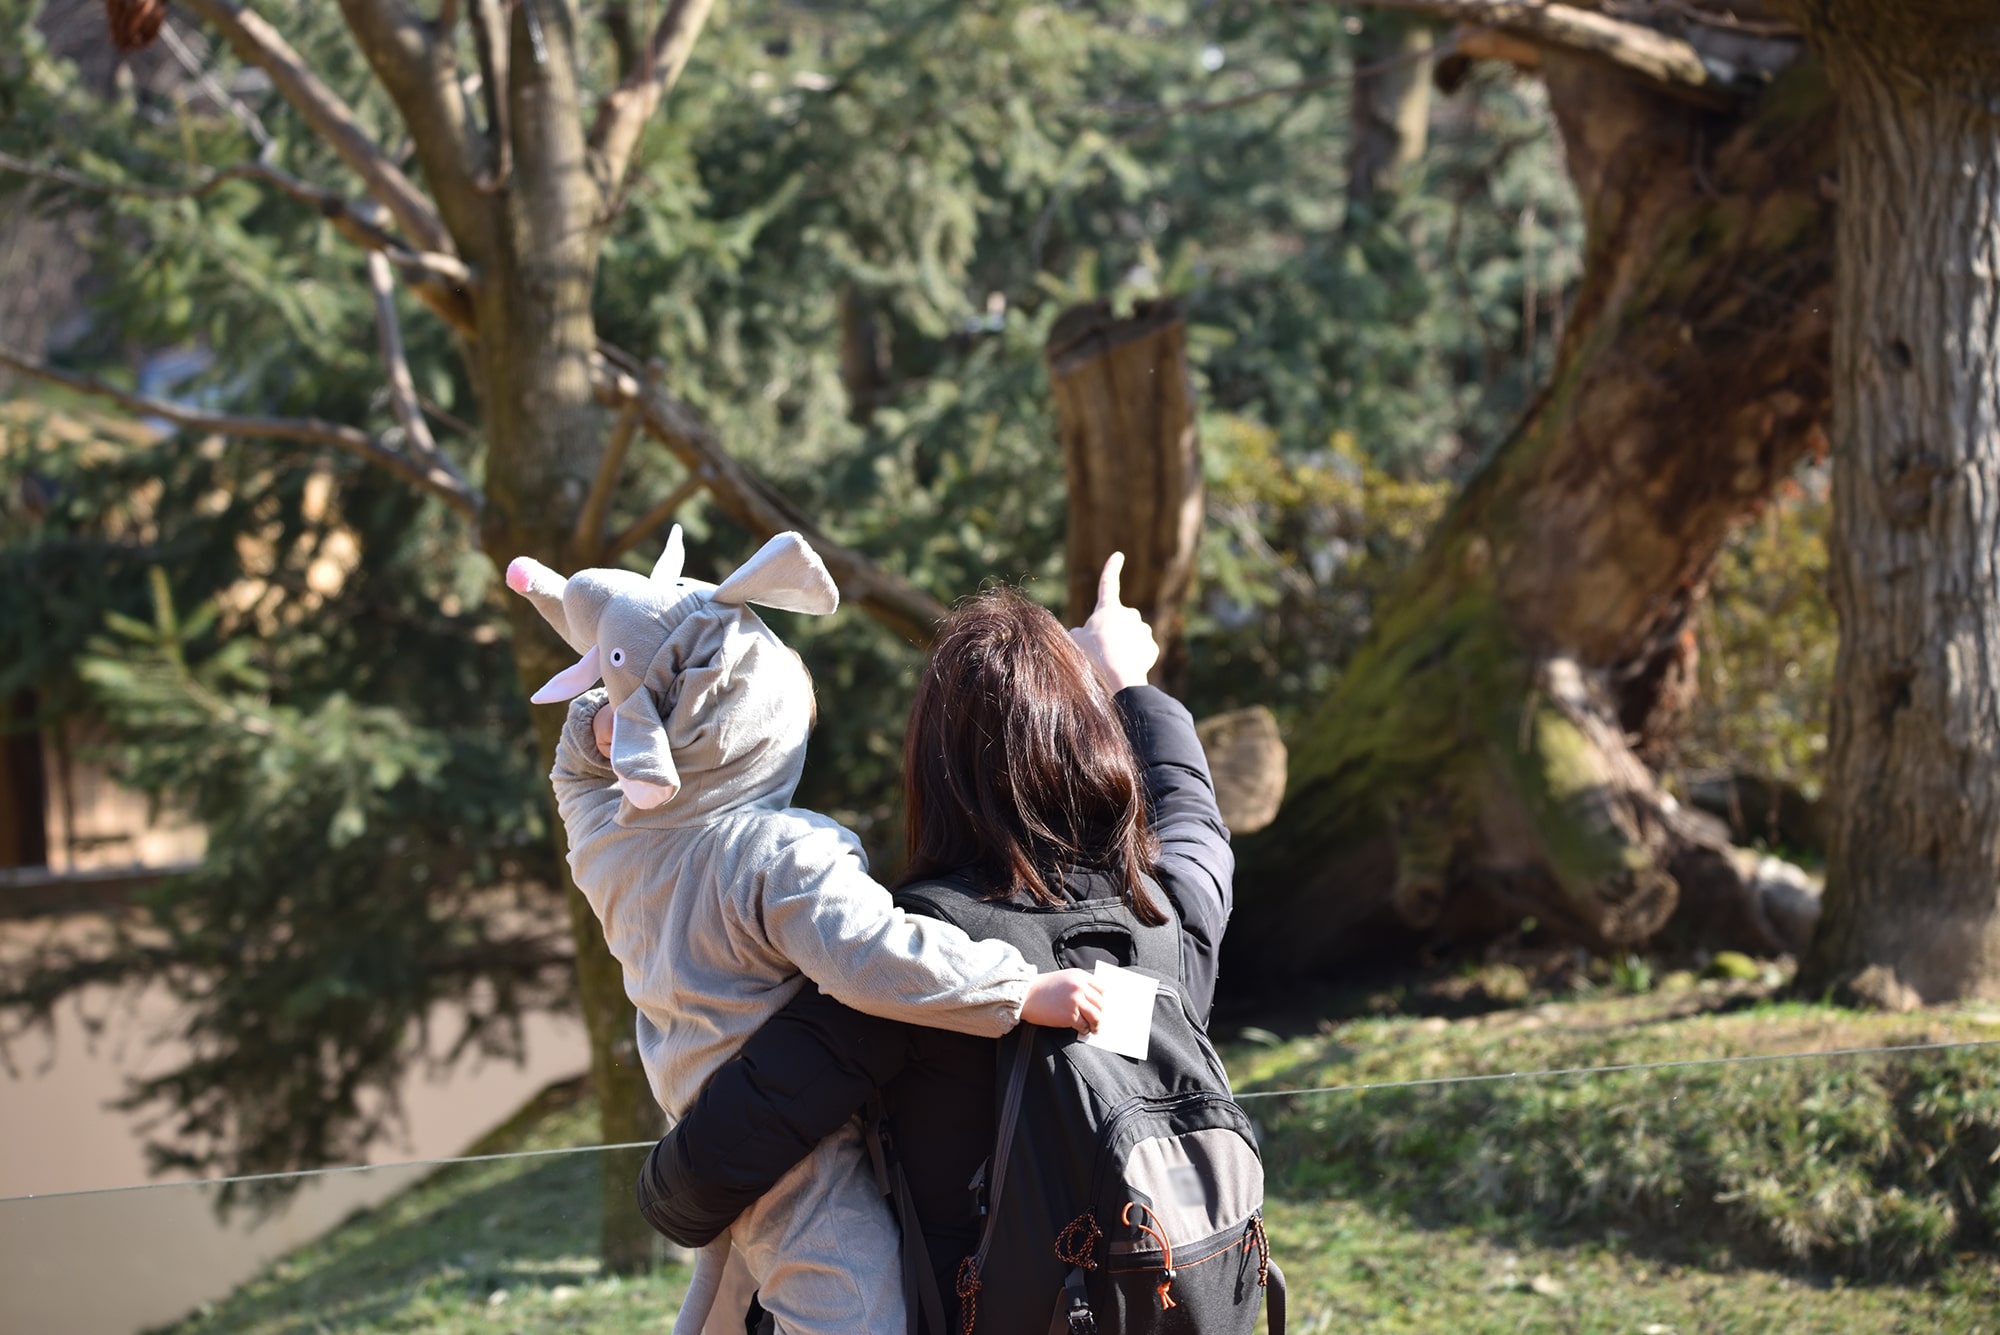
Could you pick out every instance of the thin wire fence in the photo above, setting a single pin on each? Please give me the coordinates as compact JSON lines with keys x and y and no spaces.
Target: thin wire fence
{"x":1359,"y":1087}
{"x":1680,"y":1063}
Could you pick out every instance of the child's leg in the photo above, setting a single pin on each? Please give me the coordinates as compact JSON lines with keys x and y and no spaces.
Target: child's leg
{"x":698,"y":1304}
{"x":824,"y":1248}
{"x":733,"y":1301}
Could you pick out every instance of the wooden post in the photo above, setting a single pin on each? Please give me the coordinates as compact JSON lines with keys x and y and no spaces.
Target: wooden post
{"x":1126,"y":414}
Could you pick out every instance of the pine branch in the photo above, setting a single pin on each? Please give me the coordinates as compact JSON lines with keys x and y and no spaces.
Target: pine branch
{"x":622,"y":115}
{"x":446,"y":486}
{"x":754,"y":503}
{"x":259,"y":44}
{"x":443,"y":282}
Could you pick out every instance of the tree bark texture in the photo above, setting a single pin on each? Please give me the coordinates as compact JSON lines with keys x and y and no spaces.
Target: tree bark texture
{"x":1389,"y":107}
{"x":1125,"y":411}
{"x":1476,"y":764}
{"x":1912,"y":906}
{"x":538,"y":247}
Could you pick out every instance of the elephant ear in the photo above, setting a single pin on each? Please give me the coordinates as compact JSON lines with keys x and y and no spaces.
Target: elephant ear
{"x":785,"y":574}
{"x":640,"y":756}
{"x":572,"y":681}
{"x":668,"y":568}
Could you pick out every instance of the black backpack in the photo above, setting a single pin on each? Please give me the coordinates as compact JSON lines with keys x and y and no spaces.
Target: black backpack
{"x":1123,"y":1197}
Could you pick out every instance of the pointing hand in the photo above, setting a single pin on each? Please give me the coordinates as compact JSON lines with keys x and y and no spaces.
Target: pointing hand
{"x":1116,"y":638}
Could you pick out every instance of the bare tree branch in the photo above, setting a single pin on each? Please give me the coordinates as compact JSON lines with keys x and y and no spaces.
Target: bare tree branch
{"x":1723,"y":20}
{"x":1656,"y":56}
{"x":441,"y":281}
{"x":259,"y":44}
{"x":311,"y":430}
{"x":439,"y":412}
{"x":402,"y":385}
{"x":622,"y":116}
{"x":420,"y":73}
{"x":1199,"y":107}
{"x":624,"y":37}
{"x":489,"y":46}
{"x":590,"y":520}
{"x":663,"y":510}
{"x":758,"y":506}
{"x":245,"y":117}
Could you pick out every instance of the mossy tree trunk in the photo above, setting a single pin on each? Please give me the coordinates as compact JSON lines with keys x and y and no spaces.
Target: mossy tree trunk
{"x":1913,"y":866}
{"x":1479,"y":762}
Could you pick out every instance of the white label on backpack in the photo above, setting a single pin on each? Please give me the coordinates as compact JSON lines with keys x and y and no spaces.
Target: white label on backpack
{"x":1127,"y":1027}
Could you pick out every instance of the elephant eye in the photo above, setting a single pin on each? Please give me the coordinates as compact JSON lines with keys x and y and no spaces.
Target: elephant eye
{"x":617,"y":658}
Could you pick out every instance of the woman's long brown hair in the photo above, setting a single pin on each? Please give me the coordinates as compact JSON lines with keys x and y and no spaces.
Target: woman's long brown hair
{"x":1015,"y":764}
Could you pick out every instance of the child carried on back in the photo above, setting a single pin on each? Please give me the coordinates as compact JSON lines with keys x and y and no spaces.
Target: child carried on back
{"x":720,"y":900}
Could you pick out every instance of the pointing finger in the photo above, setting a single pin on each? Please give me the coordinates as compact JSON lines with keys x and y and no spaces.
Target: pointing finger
{"x":1107,"y":583}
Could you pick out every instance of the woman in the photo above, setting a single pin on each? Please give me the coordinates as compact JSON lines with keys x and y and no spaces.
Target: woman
{"x":1039,"y":770}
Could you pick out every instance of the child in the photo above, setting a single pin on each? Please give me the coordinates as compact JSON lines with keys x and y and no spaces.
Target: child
{"x":720,"y":900}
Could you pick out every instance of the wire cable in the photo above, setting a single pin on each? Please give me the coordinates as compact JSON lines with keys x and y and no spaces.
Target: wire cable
{"x":1359,"y":1087}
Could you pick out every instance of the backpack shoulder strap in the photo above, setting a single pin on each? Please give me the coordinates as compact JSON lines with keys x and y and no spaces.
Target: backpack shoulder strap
{"x":1022,"y":1041}
{"x":921,"y":1298}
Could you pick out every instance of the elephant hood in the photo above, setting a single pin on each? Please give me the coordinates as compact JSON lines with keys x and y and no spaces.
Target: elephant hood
{"x":737,"y":709}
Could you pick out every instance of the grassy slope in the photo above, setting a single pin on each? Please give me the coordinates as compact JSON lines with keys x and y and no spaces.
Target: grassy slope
{"x":1558,"y":1205}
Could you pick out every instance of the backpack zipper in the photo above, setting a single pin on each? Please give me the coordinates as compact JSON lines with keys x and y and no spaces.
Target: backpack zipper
{"x":1139,"y":1104}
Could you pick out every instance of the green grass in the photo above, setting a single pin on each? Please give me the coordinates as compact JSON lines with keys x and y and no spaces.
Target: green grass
{"x":502,"y":1246}
{"x":1820,"y":1195}
{"x":1868,"y":1167}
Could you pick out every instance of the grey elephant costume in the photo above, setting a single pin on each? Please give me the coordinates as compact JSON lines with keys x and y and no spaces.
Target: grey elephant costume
{"x":720,"y":900}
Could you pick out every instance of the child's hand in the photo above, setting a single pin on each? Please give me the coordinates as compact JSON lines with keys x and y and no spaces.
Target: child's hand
{"x":600,"y":729}
{"x":1068,"y":999}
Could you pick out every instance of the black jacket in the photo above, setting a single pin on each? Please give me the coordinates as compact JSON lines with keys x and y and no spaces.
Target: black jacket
{"x":814,"y":1064}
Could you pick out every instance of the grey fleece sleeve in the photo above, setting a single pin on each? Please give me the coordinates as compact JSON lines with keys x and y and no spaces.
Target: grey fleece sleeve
{"x":811,"y":901}
{"x":587,"y":795}
{"x":817,"y":905}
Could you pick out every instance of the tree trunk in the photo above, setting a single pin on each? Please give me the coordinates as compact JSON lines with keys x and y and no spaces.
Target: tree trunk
{"x":544,"y":437}
{"x":1389,"y":108}
{"x":1475,"y":765}
{"x":1126,"y":414}
{"x":865,"y":355}
{"x":1913,"y":866}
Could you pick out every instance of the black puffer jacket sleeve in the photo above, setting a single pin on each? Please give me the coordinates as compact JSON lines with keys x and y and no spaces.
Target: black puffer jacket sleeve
{"x":1196,"y":867}
{"x":801,"y":1076}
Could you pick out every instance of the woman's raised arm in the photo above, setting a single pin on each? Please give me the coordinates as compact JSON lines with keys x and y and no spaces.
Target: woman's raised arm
{"x":1196,"y":867}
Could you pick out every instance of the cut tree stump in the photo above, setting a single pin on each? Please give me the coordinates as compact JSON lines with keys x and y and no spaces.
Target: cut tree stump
{"x":1125,"y":410}
{"x":1246,"y":758}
